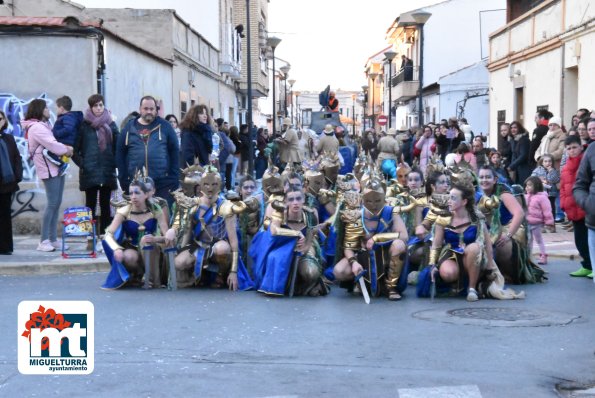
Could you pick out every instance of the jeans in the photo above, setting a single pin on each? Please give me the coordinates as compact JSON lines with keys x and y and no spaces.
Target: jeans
{"x":54,"y":188}
{"x":592,"y":246}
{"x":234,"y":170}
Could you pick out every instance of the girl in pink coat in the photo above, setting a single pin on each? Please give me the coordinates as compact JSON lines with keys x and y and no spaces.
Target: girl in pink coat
{"x":539,"y":212}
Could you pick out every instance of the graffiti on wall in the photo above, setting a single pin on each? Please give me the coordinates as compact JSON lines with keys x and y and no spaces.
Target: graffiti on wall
{"x":15,"y":109}
{"x":23,"y":202}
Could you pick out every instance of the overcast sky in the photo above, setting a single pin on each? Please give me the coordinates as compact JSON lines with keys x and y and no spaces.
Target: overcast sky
{"x":325,"y":41}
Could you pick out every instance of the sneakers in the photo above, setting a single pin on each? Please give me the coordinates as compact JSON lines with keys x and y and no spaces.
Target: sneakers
{"x":45,"y":246}
{"x":590,"y":276}
{"x":58,"y":245}
{"x":542,"y":259}
{"x":582,"y":272}
{"x":472,"y":295}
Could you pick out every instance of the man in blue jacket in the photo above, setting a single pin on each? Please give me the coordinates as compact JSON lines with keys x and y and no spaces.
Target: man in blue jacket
{"x":151,"y":143}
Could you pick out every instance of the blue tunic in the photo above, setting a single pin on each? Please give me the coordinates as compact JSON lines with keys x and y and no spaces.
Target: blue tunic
{"x":128,"y":232}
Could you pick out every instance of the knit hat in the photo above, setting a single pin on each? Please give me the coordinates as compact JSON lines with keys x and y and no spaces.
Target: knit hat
{"x":555,"y":120}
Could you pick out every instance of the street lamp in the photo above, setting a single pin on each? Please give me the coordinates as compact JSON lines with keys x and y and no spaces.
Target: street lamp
{"x":297,"y":108}
{"x":365,"y":104}
{"x":285,"y":69}
{"x":249,"y":93}
{"x":273,"y":42}
{"x":421,"y":17}
{"x":291,"y":83}
{"x":373,"y":76}
{"x":353,"y":96}
{"x":390,"y":55}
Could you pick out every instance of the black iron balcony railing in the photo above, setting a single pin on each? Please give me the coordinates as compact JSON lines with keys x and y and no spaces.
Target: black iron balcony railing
{"x":404,"y":75}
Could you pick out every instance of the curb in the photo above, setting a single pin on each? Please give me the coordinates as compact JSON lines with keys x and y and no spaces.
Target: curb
{"x":54,"y":268}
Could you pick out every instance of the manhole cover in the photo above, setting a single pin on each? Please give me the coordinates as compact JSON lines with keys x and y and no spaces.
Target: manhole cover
{"x":486,"y":316}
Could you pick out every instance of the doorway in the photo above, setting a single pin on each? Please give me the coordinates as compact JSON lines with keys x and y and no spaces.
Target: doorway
{"x":520,"y":105}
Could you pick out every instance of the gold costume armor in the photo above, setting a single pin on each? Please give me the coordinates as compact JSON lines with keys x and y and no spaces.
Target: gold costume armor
{"x":352,"y":219}
{"x":385,"y":237}
{"x":488,"y":203}
{"x":234,"y":261}
{"x":231,"y":208}
{"x":443,"y":220}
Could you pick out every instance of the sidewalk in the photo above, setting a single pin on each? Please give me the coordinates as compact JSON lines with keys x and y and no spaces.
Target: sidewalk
{"x":26,"y":260}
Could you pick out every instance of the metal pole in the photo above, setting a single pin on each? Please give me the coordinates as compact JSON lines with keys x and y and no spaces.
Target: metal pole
{"x":291,"y":103}
{"x":249,"y":93}
{"x":390,"y":98}
{"x":365,"y":106}
{"x":274,"y":111}
{"x":285,"y":97}
{"x":297,"y":109}
{"x":420,"y":116}
{"x":353,"y":114}
{"x":373,"y":110}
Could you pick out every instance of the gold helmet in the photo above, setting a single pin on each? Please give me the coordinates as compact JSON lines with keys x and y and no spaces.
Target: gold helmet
{"x":347,"y":182}
{"x":435,"y":165}
{"x":271,"y":181}
{"x":211,"y":182}
{"x":352,"y":199}
{"x":314,"y":181}
{"x":191,"y":179}
{"x":374,"y":196}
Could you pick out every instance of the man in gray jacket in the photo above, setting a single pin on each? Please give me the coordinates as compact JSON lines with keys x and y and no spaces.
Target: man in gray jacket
{"x":584,"y":188}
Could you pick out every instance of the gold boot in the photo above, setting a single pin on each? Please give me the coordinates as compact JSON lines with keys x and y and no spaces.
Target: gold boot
{"x":394,"y":271}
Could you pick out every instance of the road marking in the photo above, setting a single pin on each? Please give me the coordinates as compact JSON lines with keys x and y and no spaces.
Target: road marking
{"x":441,"y":392}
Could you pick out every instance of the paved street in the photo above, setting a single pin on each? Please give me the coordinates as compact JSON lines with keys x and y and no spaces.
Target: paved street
{"x":214,"y":343}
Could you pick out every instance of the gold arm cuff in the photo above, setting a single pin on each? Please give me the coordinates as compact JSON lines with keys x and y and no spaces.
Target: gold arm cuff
{"x":404,"y":209}
{"x":111,"y":242}
{"x":434,"y":254}
{"x":266,"y":223}
{"x":385,"y":237}
{"x":287,"y":232}
{"x":234,"y":261}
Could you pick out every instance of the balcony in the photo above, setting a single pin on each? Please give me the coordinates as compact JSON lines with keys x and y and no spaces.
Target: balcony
{"x":405,"y":84}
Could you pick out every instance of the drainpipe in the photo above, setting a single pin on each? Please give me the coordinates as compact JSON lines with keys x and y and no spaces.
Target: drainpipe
{"x":562,"y":79}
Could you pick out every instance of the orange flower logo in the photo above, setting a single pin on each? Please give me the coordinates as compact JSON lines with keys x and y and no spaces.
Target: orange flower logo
{"x":43,"y":319}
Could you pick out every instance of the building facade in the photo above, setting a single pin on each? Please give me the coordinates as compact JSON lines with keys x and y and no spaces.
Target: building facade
{"x":541,"y":60}
{"x":455,"y":37}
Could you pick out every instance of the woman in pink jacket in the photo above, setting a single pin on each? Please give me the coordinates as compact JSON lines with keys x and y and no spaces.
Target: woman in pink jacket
{"x":539,"y":212}
{"x":39,"y":137}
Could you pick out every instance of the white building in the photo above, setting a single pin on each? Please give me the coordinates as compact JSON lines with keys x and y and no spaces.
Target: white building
{"x":542,"y":58}
{"x":464,"y":93}
{"x":455,"y":37}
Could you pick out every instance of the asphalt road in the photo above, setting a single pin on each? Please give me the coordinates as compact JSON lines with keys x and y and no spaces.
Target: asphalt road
{"x":215,"y":343}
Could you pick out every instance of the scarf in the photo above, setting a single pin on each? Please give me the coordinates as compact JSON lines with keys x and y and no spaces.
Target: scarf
{"x":519,"y":136}
{"x":101,"y":125}
{"x":5,"y":165}
{"x":545,"y":143}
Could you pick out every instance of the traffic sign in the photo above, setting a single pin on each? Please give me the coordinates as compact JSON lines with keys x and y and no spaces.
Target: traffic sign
{"x":382,"y":120}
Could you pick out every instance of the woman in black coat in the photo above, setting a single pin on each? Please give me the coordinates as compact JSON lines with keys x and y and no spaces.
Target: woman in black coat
{"x":94,"y":151}
{"x":11,"y":173}
{"x":520,"y":145}
{"x":197,"y":136}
